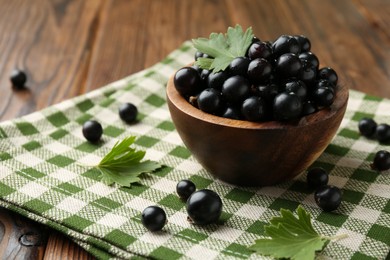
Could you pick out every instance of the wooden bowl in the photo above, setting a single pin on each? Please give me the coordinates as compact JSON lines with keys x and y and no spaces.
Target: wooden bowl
{"x":255,"y":154}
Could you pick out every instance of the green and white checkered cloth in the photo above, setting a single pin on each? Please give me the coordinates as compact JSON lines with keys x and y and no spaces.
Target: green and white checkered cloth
{"x":40,"y":178}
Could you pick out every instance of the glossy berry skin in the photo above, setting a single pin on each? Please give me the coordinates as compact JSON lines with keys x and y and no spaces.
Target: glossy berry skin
{"x":308,"y":108}
{"x":128,"y":112}
{"x":310,"y":58}
{"x":204,"y":207}
{"x":187,"y":81}
{"x":232,"y":113}
{"x":297,"y":87}
{"x":268,"y":92}
{"x":216,"y":80}
{"x":287,"y":106}
{"x":259,"y":50}
{"x":92,"y":131}
{"x":328,"y":74}
{"x":382,"y":133}
{"x":254,"y":109}
{"x":367,"y":127}
{"x":259,"y":70}
{"x":317,"y":177}
{"x":285,"y":44}
{"x":18,"y":78}
{"x":381,"y":161}
{"x":235,"y":89}
{"x":185,"y":188}
{"x":304,"y":42}
{"x":323,"y":97}
{"x":288,"y":66}
{"x":308,"y":74}
{"x":239,"y":66}
{"x":210,"y":101}
{"x":153,"y":218}
{"x":328,"y":197}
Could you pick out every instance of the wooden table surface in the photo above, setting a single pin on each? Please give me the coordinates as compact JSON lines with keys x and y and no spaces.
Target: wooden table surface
{"x":70,"y":47}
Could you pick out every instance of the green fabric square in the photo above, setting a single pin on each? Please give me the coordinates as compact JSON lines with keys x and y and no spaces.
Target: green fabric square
{"x":135,"y":189}
{"x":109,"y":92}
{"x":237,"y":250}
{"x":380,"y":233}
{"x":257,"y":227}
{"x":93,"y":174}
{"x":386,"y":209}
{"x":167,"y":60}
{"x":239,"y":195}
{"x":172,"y":201}
{"x":364,"y":175}
{"x":120,"y":238}
{"x":146,"y":141}
{"x":155,"y":100}
{"x":107,"y":102}
{"x":33,"y":173}
{"x":200,"y":182}
{"x":88,"y":147}
{"x":58,"y":134}
{"x":166,"y":125}
{"x":361,"y":256}
{"x":165,"y":253}
{"x":5,"y":190}
{"x":181,"y":152}
{"x":4,"y":156}
{"x":60,"y":160}
{"x":360,"y":115}
{"x":336,"y":150}
{"x":333,"y":219}
{"x":26,"y":128}
{"x":372,"y":98}
{"x":83,"y":118}
{"x":2,"y":133}
{"x":280,"y":203}
{"x":163,"y":171}
{"x":352,"y":196}
{"x":37,"y":206}
{"x":68,"y":189}
{"x":85,"y":105}
{"x":113,"y":131}
{"x":77,"y":223}
{"x":58,"y":119}
{"x":106,"y":204}
{"x":129,"y":87}
{"x":191,"y":235}
{"x":30,"y":146}
{"x":349,"y":133}
{"x":225,"y":216}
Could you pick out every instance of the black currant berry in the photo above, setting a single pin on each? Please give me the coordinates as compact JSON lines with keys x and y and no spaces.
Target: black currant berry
{"x":153,"y":218}
{"x":308,"y":74}
{"x":128,"y":112}
{"x":254,"y":109}
{"x":239,"y":66}
{"x":187,"y":81}
{"x":198,"y":55}
{"x":310,"y":58}
{"x":382,"y":133}
{"x":285,"y":44}
{"x":216,"y":80}
{"x":323,"y":97}
{"x":308,"y":108}
{"x":328,"y":74}
{"x":232,"y":113}
{"x":235,"y":89}
{"x":287,"y":106}
{"x":288,"y":66}
{"x":328,"y":197}
{"x":367,"y":127}
{"x":304,"y":42}
{"x":18,"y":78}
{"x":259,"y":70}
{"x":210,"y":101}
{"x":317,"y":177}
{"x":185,"y":188}
{"x":297,"y":87}
{"x":92,"y":130}
{"x":204,"y":207}
{"x":259,"y":50}
{"x":381,"y":161}
{"x":268,"y":92}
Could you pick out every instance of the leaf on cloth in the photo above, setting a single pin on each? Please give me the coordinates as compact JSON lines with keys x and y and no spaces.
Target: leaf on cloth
{"x":291,"y":237}
{"x":223,"y":48}
{"x":122,"y":165}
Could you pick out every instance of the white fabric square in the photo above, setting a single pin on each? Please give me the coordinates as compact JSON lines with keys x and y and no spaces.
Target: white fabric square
{"x":19,"y":140}
{"x":57,"y":147}
{"x":250,"y":211}
{"x":271,"y":191}
{"x":28,"y":159}
{"x":129,"y":97}
{"x":337,"y":181}
{"x":107,"y":116}
{"x":156,"y":238}
{"x":65,"y":105}
{"x":180,"y":219}
{"x":154,"y":155}
{"x":33,"y":189}
{"x":63,"y":175}
{"x":112,"y":220}
{"x":150,"y":84}
{"x":161,"y":113}
{"x":227,"y":233}
{"x":380,"y":190}
{"x":365,"y":214}
{"x":349,"y":162}
{"x":189,"y":166}
{"x":201,"y":253}
{"x":35,"y":117}
{"x":90,"y":159}
{"x":352,"y":241}
{"x":173,"y":138}
{"x":71,"y":205}
{"x":140,"y":129}
{"x":354,"y":104}
{"x":363,"y":146}
{"x":101,"y":189}
{"x":383,"y":109}
{"x":4,"y":171}
{"x":165,"y":185}
{"x":139,"y":203}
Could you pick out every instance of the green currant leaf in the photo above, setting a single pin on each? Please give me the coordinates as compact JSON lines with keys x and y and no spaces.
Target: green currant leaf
{"x":291,"y":237}
{"x":223,"y":48}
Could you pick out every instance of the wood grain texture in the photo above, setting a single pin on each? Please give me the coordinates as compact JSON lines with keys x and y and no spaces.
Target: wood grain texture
{"x":69,"y":47}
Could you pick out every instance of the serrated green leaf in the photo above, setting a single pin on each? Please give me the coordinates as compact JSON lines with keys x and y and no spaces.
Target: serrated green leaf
{"x":291,"y":237}
{"x":223,"y":48}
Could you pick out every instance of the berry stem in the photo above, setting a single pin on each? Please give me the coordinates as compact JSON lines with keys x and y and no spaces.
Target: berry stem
{"x":336,"y":237}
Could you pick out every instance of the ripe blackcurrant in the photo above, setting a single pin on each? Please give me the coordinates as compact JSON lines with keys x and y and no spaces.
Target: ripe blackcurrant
{"x":185,"y":188}
{"x":367,"y":127}
{"x":204,"y":207}
{"x":92,"y":130}
{"x":187,"y":81}
{"x":317,"y":177}
{"x":18,"y":78}
{"x":287,"y":106}
{"x":128,"y":112}
{"x":383,"y":132}
{"x":210,"y":101}
{"x":235,"y":89}
{"x":381,"y":161}
{"x":153,"y":218}
{"x":328,"y":197}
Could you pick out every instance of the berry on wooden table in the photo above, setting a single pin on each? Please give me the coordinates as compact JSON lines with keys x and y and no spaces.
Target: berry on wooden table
{"x":18,"y":78}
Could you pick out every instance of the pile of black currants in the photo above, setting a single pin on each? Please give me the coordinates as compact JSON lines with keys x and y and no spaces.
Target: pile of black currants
{"x":279,"y":80}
